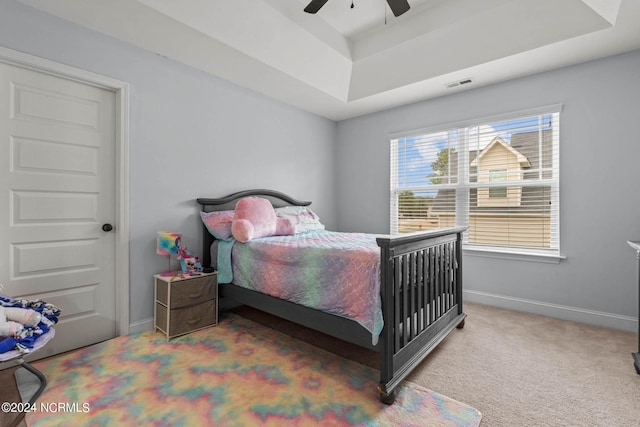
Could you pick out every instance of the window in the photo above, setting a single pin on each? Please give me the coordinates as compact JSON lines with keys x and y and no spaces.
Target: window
{"x":498,"y":176}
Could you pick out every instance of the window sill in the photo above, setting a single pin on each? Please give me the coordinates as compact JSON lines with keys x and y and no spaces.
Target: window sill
{"x":530,"y":256}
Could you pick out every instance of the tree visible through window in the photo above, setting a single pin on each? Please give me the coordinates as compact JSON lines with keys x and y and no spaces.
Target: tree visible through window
{"x":498,"y":177}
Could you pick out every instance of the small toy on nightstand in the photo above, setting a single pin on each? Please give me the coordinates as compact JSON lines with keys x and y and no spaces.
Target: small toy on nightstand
{"x":189,"y":263}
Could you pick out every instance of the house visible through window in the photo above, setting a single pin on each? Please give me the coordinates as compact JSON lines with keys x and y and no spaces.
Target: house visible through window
{"x":497,"y":176}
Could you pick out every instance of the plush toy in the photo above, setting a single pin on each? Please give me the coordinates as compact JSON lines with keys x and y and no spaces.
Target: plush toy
{"x":255,"y":217}
{"x":13,"y":320}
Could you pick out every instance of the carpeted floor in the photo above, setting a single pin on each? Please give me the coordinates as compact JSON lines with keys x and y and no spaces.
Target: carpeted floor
{"x":520,"y":369}
{"x":527,"y":370}
{"x":237,"y":374}
{"x":517,"y":369}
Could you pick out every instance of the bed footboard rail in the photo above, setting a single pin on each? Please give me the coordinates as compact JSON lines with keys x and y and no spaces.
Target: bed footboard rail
{"x":421,"y":291}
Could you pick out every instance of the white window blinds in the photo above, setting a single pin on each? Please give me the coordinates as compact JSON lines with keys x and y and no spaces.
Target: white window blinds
{"x":498,"y":177}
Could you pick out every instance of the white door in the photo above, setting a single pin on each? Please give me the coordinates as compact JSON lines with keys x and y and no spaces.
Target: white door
{"x":57,"y":189}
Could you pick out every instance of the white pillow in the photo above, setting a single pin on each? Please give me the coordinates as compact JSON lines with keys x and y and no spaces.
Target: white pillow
{"x":303,"y":218}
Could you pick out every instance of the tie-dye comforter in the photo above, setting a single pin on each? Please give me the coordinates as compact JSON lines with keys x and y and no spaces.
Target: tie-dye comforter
{"x":326,"y":270}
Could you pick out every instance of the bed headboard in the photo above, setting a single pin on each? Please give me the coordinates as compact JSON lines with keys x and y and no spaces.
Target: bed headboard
{"x":228,"y":202}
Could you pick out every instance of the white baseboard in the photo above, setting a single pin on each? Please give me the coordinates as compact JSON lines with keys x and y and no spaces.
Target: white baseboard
{"x":597,"y":318}
{"x":142,"y":325}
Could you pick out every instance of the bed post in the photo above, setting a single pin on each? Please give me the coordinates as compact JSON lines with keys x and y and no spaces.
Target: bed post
{"x":386,"y":336}
{"x":207,"y":240}
{"x":459,"y":277}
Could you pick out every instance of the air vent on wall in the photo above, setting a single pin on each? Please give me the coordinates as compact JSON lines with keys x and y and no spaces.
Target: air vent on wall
{"x":459,"y":83}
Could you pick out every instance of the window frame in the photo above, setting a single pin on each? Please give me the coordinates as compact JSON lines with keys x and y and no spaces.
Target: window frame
{"x":462,"y":218}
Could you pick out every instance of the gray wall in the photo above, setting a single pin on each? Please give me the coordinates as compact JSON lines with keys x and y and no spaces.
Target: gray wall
{"x":224,"y":138}
{"x":192,"y":135}
{"x":599,"y":176}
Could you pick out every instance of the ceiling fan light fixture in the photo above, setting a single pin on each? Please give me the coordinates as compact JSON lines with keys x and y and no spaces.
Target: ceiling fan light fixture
{"x":398,"y":7}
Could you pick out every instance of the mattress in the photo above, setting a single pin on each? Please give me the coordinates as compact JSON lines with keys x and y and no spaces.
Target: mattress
{"x":335,"y":272}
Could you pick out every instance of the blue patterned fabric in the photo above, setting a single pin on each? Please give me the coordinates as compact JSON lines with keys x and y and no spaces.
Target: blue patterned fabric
{"x":26,"y":339}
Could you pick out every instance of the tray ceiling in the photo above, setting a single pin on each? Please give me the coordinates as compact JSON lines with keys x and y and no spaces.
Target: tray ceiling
{"x":344,"y":62}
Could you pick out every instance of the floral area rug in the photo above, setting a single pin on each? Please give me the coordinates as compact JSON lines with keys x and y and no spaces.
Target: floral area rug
{"x":236,"y":374}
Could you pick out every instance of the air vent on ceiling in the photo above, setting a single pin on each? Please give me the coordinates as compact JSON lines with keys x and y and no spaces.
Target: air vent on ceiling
{"x":459,"y":83}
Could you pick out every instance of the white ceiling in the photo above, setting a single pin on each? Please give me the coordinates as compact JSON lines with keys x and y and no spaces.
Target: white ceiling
{"x":343,"y":62}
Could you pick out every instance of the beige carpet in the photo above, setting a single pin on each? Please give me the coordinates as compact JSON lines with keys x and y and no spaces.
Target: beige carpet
{"x":517,"y":369}
{"x":520,"y":369}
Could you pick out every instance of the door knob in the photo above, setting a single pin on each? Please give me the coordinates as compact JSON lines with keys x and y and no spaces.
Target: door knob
{"x":107,"y":227}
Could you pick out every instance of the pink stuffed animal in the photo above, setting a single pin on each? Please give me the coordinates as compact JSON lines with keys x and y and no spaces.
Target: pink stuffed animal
{"x":255,"y":217}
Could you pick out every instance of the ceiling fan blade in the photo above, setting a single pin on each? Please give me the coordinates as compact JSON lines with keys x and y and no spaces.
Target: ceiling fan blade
{"x":398,"y":7}
{"x":314,"y":6}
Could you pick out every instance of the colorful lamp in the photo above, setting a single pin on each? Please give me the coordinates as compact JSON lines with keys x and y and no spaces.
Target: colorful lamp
{"x":168,"y":244}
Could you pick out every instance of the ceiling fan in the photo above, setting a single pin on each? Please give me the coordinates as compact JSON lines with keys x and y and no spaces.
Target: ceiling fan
{"x":398,"y":7}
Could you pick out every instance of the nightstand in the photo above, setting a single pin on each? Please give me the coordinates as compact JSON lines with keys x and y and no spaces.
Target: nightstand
{"x":185,"y":304}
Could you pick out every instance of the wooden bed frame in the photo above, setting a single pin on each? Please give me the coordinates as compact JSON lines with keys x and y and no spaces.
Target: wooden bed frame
{"x":421,"y":292}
